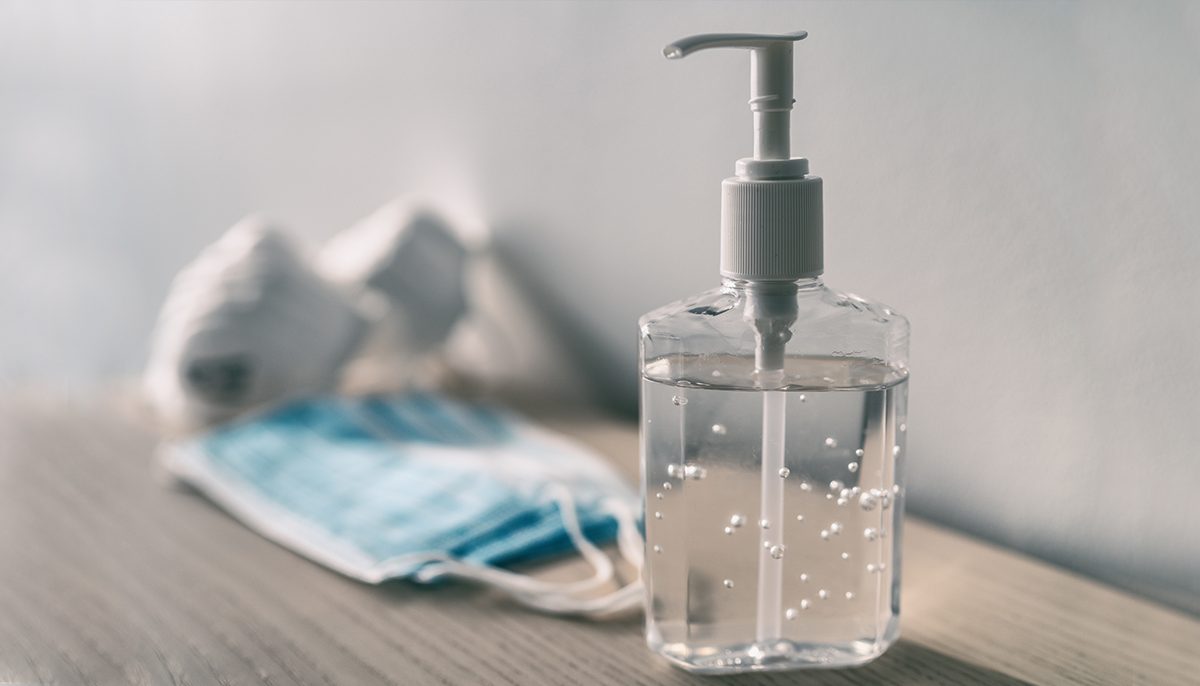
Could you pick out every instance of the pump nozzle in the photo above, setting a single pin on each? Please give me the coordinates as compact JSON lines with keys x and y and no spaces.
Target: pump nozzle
{"x":770,"y":82}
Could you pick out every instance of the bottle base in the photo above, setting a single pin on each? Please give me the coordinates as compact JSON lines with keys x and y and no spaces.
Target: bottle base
{"x":778,"y":656}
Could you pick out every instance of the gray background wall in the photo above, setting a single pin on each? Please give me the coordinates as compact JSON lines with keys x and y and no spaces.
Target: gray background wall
{"x":1019,"y":179}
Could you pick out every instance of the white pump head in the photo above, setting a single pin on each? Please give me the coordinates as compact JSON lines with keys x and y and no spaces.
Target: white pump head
{"x":771,"y":224}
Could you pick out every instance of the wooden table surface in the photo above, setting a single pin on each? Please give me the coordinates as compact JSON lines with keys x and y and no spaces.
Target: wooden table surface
{"x":108,"y":575}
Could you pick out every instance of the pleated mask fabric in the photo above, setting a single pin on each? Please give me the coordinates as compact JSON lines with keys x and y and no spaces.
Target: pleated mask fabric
{"x":421,"y":486}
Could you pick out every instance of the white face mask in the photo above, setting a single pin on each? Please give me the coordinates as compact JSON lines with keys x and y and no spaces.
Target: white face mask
{"x":250,"y":323}
{"x":247,"y":324}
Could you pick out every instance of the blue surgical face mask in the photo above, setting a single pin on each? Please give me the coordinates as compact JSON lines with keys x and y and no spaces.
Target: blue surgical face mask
{"x":421,"y":487}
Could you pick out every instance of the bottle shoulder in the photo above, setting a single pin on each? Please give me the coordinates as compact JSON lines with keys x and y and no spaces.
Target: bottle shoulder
{"x":708,"y":303}
{"x":830,"y":325}
{"x":817,"y":309}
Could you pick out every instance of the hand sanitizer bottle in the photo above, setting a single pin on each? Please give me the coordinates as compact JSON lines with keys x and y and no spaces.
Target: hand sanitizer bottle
{"x":773,"y":426}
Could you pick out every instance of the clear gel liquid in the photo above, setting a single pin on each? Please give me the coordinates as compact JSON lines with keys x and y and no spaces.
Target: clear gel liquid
{"x":836,"y":545}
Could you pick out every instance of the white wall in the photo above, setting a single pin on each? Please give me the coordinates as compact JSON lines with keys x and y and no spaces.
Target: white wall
{"x":1020,"y":179}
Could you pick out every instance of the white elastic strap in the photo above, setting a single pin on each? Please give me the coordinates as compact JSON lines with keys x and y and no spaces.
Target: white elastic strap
{"x":561,"y":597}
{"x":629,"y":539}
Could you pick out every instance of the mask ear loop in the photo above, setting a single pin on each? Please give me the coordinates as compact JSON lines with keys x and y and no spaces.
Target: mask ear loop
{"x":629,"y":538}
{"x":552,"y":596}
{"x":559,"y":597}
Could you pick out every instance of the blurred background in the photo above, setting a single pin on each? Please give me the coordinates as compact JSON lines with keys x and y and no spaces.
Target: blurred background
{"x":1019,"y":179}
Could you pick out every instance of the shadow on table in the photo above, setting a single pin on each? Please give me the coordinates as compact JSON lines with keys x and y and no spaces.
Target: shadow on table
{"x":907,"y":663}
{"x":923,"y":665}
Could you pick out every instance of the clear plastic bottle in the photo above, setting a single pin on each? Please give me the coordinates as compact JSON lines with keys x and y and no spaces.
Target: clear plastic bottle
{"x":834,"y":531}
{"x":773,"y":431}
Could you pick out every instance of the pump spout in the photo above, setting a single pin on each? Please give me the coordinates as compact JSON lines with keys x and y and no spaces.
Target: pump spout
{"x":770,"y":83}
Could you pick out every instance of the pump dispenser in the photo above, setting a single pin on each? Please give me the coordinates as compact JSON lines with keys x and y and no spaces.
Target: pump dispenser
{"x":771,"y":210}
{"x":773,"y":424}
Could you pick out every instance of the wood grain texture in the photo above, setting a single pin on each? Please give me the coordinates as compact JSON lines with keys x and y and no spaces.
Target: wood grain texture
{"x":109,"y":575}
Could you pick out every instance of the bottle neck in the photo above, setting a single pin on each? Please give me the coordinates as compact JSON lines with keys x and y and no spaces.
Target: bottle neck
{"x":770,"y":308}
{"x":742,"y":286}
